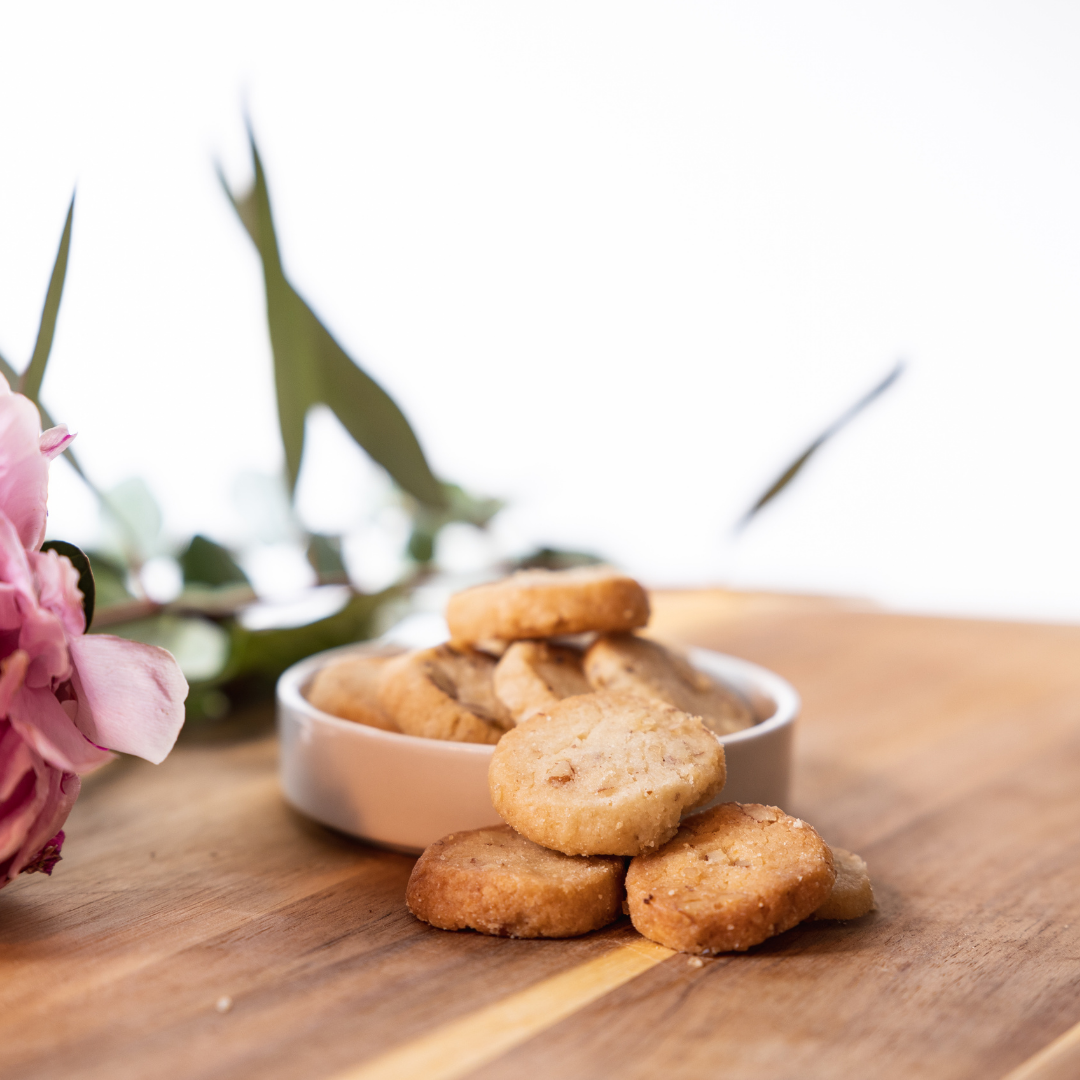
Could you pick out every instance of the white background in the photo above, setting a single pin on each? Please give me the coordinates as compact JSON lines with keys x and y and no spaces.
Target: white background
{"x":618,"y":262}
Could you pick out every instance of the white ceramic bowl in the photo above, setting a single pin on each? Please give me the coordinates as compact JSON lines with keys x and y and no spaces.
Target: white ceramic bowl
{"x":405,"y":792}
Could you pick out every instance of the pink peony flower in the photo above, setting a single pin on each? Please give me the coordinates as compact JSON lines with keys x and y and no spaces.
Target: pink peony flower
{"x":67,"y":699}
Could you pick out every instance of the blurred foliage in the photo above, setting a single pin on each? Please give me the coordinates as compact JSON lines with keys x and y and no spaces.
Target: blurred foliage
{"x":324,"y":554}
{"x":203,"y":562}
{"x":547,"y":558}
{"x":460,"y":506}
{"x":110,"y":580}
{"x":225,"y":661}
{"x":796,"y":466}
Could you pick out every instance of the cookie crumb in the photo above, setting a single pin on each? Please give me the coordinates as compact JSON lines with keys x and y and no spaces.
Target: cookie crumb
{"x":696,"y":961}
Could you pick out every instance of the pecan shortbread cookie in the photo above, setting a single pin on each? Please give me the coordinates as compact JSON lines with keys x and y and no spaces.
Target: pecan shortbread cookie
{"x":533,"y":675}
{"x":349,"y":688}
{"x":604,"y":774}
{"x":732,"y":877}
{"x":497,"y":882}
{"x":632,"y":663}
{"x":852,"y":894}
{"x":444,"y":693}
{"x":547,"y":603}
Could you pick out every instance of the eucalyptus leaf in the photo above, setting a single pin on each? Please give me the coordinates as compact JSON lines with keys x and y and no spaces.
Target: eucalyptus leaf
{"x":460,"y":506}
{"x":793,"y":470}
{"x":265,"y":654}
{"x":81,"y":563}
{"x":546,"y":558}
{"x":110,"y":580}
{"x":324,"y":554}
{"x":310,"y":367}
{"x":205,"y":562}
{"x":30,"y":383}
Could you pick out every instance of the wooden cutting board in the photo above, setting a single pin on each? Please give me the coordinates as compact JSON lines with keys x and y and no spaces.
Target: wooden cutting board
{"x":198,"y":928}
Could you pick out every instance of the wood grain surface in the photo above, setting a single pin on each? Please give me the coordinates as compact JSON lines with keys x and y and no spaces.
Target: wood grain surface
{"x":199,"y":928}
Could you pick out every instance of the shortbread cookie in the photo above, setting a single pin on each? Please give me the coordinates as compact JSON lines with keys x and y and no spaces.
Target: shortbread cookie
{"x":852,"y":895}
{"x":632,"y":663}
{"x":533,"y":675}
{"x":444,"y":693}
{"x":732,"y":877}
{"x":349,"y":688}
{"x":545,"y":603}
{"x":604,"y":774}
{"x":497,"y":882}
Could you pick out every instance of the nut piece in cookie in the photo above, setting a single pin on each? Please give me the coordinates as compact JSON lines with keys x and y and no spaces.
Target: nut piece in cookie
{"x":732,"y":877}
{"x":533,"y":675}
{"x":604,"y":774}
{"x":547,"y":603}
{"x":636,"y":664}
{"x":349,"y":688}
{"x":444,"y":693}
{"x":497,"y":882}
{"x":852,"y":895}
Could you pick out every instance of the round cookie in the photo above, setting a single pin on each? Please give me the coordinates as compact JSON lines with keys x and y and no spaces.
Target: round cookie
{"x":604,"y":774}
{"x":732,"y":877}
{"x":636,"y":664}
{"x":852,"y":894}
{"x":546,"y":603}
{"x":497,"y":882}
{"x":349,"y":688}
{"x":444,"y":693}
{"x":533,"y":675}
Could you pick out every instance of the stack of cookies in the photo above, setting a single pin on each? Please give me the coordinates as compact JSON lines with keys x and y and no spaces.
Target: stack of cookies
{"x":604,"y":741}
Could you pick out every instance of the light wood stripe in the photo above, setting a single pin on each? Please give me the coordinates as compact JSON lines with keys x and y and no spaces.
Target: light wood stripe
{"x":461,"y":1046}
{"x":1059,"y":1060}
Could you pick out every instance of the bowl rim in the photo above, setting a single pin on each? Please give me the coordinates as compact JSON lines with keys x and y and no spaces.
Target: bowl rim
{"x":291,"y":682}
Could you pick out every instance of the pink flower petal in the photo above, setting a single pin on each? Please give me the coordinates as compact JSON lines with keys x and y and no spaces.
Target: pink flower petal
{"x":58,"y":589}
{"x":39,"y":802}
{"x":133,"y":695}
{"x":12,"y":674}
{"x":10,"y":616}
{"x":54,"y":441}
{"x":22,"y":790}
{"x":24,"y":469}
{"x":42,"y":636}
{"x":14,"y":564}
{"x":37,"y":716}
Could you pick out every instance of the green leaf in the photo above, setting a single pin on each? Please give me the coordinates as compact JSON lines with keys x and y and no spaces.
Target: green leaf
{"x":86,"y":574}
{"x":311,"y":367}
{"x":207,"y":563}
{"x":30,"y":383}
{"x":110,"y":580}
{"x":324,"y":554}
{"x":267,"y":653}
{"x":793,"y":470}
{"x":460,"y":506}
{"x":373,"y":419}
{"x":546,"y":558}
{"x":16,"y":381}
